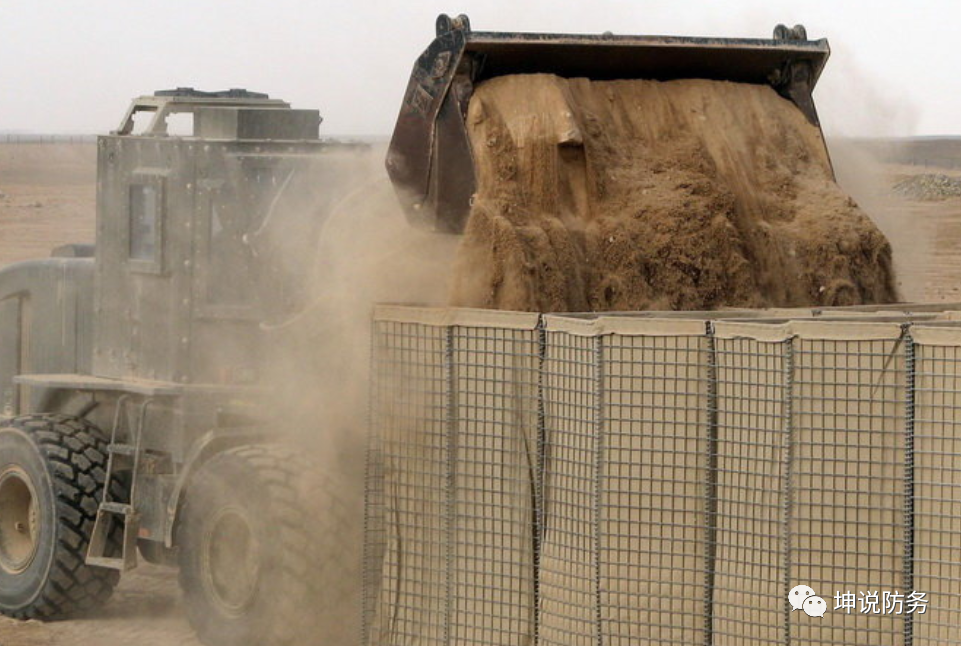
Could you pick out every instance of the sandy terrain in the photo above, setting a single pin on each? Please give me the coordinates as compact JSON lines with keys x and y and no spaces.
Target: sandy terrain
{"x":48,"y":195}
{"x":47,"y":198}
{"x":145,"y":610}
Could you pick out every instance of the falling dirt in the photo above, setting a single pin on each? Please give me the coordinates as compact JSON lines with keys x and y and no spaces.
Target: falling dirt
{"x":627,"y":195}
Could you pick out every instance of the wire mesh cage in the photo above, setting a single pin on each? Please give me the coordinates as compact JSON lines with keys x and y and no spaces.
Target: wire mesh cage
{"x":570,"y":481}
{"x":847,"y":488}
{"x":934,"y":457}
{"x":653,"y":484}
{"x":748,"y":497}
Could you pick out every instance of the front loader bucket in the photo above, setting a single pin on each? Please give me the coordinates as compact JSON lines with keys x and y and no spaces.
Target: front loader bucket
{"x":429,"y":159}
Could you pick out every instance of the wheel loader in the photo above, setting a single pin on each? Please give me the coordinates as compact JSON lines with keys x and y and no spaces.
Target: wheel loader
{"x":135,"y":423}
{"x":136,"y":419}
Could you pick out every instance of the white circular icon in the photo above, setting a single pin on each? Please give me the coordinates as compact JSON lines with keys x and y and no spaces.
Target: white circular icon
{"x":798,"y":594}
{"x":814,"y":607}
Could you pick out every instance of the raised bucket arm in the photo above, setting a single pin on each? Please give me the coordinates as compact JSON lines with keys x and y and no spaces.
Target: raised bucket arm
{"x":429,"y":159}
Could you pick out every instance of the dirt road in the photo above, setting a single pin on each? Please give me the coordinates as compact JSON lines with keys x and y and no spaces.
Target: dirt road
{"x":47,"y":198}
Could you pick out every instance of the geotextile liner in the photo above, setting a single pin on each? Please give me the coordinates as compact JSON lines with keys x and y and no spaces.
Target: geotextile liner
{"x":645,"y":195}
{"x":628,"y":478}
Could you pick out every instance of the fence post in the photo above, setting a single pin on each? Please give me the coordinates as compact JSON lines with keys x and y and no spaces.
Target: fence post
{"x":787,"y":493}
{"x":909,"y":415}
{"x":450,"y":480}
{"x":540,"y":462}
{"x":710,"y":486}
{"x":598,"y":476}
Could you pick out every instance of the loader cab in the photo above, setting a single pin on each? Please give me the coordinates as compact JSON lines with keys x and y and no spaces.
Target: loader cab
{"x":189,"y":221}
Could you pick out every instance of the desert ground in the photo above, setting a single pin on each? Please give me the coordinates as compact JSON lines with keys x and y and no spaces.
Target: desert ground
{"x":48,"y":196}
{"x":145,"y":610}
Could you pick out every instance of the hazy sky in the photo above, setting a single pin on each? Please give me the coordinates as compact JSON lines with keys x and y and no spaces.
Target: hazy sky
{"x":72,"y":66}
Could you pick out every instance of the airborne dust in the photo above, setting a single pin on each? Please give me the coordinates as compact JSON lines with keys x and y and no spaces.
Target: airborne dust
{"x":361,"y":252}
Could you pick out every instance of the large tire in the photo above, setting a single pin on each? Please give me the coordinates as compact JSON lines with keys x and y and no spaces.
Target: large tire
{"x":269,"y":551}
{"x":52,"y":470}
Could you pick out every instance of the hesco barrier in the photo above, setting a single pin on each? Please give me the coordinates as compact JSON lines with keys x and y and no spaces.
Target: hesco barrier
{"x":633,"y":479}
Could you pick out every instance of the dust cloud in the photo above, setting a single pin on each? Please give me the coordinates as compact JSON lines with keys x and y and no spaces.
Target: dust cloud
{"x":338,"y":259}
{"x":854,"y":102}
{"x":868,"y":181}
{"x":332,"y":241}
{"x":863,"y":121}
{"x":630,"y":195}
{"x":362,"y":252}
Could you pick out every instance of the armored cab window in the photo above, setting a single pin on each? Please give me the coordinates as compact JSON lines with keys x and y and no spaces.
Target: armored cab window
{"x":144,"y":205}
{"x":145,"y":224}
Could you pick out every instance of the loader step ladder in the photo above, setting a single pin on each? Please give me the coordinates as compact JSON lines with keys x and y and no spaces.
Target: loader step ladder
{"x":123,"y":454}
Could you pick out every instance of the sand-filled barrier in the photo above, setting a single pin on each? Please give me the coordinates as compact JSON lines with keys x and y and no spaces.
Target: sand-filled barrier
{"x":628,"y":195}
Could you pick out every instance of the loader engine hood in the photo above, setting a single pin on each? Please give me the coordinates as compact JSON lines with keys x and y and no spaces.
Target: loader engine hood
{"x":429,"y":159}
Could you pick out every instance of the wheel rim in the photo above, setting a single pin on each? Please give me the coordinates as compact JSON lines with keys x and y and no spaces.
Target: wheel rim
{"x":230,"y":561}
{"x":19,"y":521}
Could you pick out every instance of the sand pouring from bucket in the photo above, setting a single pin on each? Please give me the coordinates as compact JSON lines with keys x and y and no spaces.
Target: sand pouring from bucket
{"x":430,"y":160}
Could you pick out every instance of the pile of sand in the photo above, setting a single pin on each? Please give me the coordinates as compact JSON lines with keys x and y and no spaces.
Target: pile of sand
{"x":627,"y":195}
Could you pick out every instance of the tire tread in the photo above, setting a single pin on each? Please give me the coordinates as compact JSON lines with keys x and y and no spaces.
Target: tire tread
{"x":75,"y":455}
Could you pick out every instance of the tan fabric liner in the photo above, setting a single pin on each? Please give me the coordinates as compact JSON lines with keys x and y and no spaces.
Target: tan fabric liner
{"x":846,"y":331}
{"x":623,"y":325}
{"x":932,"y":335}
{"x":770,"y":332}
{"x":466,"y":317}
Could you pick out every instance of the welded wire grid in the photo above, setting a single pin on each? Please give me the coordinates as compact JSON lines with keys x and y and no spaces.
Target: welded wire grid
{"x":408,"y":592}
{"x":848,"y":474}
{"x":749,"y":559}
{"x":937,"y":493}
{"x":653,"y":502}
{"x":568,"y":587}
{"x":603,"y":489}
{"x":495,"y":382}
{"x":374,"y":530}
